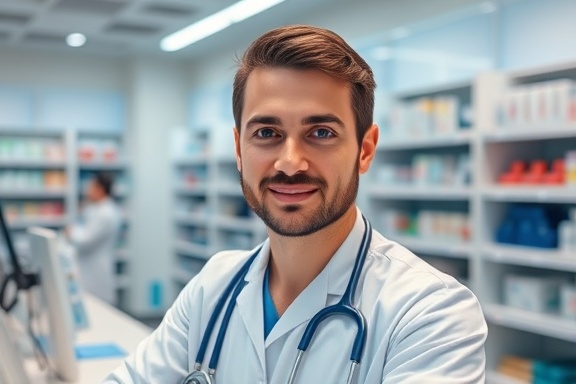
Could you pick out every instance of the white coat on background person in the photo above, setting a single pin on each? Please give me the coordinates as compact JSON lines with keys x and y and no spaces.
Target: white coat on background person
{"x":94,"y":239}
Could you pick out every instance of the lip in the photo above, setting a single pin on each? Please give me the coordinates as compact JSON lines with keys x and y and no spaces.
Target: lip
{"x":292,"y":193}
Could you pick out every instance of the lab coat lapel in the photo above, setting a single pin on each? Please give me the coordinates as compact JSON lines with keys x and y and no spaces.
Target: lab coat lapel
{"x":325,"y":289}
{"x":250,"y":303}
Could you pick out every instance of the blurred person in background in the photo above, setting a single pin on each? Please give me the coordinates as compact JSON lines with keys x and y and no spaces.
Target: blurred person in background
{"x":94,"y":238}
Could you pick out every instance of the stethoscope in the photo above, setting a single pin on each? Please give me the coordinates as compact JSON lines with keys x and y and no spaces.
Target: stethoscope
{"x":343,"y":307}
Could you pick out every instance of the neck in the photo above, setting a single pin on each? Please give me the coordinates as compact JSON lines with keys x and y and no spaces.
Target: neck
{"x":296,"y":261}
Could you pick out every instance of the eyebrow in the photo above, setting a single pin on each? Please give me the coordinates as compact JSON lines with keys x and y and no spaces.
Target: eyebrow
{"x":308,"y":120}
{"x":263,"y":120}
{"x":319,"y":119}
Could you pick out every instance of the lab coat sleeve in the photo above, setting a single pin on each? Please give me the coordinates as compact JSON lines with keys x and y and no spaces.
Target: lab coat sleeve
{"x":163,"y":356}
{"x":439,"y":340}
{"x":87,"y":236}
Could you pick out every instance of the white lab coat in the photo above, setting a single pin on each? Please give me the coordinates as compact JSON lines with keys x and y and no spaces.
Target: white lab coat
{"x":423,"y":326}
{"x":94,"y":239}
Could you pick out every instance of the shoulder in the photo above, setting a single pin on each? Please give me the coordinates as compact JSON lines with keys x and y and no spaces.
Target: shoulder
{"x":405,"y":287}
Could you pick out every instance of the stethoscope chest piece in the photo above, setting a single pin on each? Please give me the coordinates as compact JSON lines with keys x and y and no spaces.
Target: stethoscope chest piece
{"x":198,"y":377}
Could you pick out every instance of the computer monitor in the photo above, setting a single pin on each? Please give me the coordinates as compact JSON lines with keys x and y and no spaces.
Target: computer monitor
{"x":56,"y":317}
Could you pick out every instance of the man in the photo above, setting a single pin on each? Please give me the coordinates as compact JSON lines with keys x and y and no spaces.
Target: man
{"x":94,"y":238}
{"x":303,"y":103}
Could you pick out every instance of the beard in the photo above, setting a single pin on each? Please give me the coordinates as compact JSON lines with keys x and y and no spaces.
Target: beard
{"x":295,"y":221}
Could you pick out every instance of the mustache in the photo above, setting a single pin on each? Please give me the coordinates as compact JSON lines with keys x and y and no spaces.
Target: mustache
{"x":299,"y":178}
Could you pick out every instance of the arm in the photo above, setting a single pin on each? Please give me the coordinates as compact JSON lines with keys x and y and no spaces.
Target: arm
{"x":87,"y":236}
{"x":163,"y":356}
{"x":439,"y":340}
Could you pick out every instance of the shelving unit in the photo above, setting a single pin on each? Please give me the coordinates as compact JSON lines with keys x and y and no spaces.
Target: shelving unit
{"x":426,"y":129}
{"x":27,"y":154}
{"x":491,"y":148}
{"x":211,"y":214}
{"x":97,"y":151}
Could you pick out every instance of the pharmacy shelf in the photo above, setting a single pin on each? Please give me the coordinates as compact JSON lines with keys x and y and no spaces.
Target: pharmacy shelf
{"x":437,"y":89}
{"x":122,"y":281}
{"x":32,"y":164}
{"x":191,"y":161}
{"x":493,"y":377}
{"x":33,"y":194}
{"x":530,"y":194}
{"x":400,"y":144}
{"x":102,"y":166}
{"x":542,"y":133}
{"x":240,"y":224}
{"x":199,"y":189}
{"x":420,"y":193}
{"x":229,"y":189}
{"x":182,"y":276}
{"x":25,"y":222}
{"x":538,"y":323}
{"x":530,"y":257}
{"x":197,"y":219}
{"x":122,"y":255}
{"x":198,"y":251}
{"x":435,"y":247}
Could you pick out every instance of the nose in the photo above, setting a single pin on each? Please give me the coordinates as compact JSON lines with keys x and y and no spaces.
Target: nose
{"x":292,"y":159}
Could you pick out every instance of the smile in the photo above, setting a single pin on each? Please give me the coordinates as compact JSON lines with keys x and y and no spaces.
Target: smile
{"x":292,"y":193}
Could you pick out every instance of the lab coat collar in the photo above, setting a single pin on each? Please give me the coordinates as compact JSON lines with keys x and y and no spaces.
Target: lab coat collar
{"x":331,"y":281}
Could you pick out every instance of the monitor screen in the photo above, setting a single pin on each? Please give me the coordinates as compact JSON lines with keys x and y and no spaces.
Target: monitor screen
{"x":57,"y":325}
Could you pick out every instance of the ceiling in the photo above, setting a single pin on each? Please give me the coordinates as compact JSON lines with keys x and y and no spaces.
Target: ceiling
{"x":131,"y":27}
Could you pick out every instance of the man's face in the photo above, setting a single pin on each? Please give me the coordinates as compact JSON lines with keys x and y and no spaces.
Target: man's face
{"x":94,"y":191}
{"x":297,"y":151}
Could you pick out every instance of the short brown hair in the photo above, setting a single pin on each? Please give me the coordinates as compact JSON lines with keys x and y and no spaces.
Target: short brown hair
{"x":307,"y":47}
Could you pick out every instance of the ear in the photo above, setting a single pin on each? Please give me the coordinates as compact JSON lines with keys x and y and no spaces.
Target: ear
{"x":368,"y":148}
{"x":237,"y":148}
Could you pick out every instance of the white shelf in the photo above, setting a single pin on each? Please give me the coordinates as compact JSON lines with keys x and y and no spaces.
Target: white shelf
{"x":433,"y":247}
{"x":102,"y":165}
{"x":23,"y":223}
{"x":33,"y":194}
{"x":193,"y":250}
{"x":420,"y":193}
{"x":196,"y":190}
{"x":444,"y":88}
{"x":122,"y":255}
{"x":35,"y":164}
{"x":229,"y":189}
{"x":493,"y":377}
{"x":239,"y":224}
{"x":530,"y":134}
{"x":198,"y":219}
{"x":531,"y":194}
{"x":452,"y":140}
{"x":529,"y":256}
{"x":538,"y":323}
{"x":182,"y":276}
{"x":122,"y":281}
{"x":200,"y":159}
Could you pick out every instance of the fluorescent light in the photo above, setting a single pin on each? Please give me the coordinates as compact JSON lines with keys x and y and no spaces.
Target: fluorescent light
{"x":75,"y":40}
{"x":215,"y":23}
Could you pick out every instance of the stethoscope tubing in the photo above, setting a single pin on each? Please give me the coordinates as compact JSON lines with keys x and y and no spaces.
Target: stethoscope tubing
{"x":343,"y":307}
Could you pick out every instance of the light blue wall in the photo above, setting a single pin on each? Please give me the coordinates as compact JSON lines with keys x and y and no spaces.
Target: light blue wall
{"x":536,"y":32}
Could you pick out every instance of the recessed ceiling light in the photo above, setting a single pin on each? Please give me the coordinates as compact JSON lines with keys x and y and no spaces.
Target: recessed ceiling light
{"x":75,"y":40}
